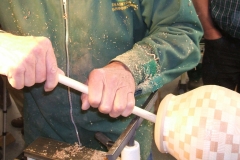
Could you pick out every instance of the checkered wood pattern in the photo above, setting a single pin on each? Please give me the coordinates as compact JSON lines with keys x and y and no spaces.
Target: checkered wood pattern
{"x":203,"y":124}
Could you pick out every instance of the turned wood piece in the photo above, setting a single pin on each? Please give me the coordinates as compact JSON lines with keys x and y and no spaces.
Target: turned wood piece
{"x":201,"y":124}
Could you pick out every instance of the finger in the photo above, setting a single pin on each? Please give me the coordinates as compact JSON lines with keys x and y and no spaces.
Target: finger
{"x":107,"y":102}
{"x":130,"y":104}
{"x":16,"y":77}
{"x":29,"y":74}
{"x":95,"y":88}
{"x":85,"y":103}
{"x":120,"y":102}
{"x":106,"y":90}
{"x":40,"y":67}
{"x":51,"y":69}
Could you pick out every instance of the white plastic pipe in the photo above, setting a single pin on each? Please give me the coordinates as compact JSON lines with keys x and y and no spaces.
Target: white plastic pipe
{"x":84,"y":88}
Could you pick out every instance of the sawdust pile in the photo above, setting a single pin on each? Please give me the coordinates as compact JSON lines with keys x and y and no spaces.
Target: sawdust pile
{"x":98,"y":156}
{"x":67,"y":152}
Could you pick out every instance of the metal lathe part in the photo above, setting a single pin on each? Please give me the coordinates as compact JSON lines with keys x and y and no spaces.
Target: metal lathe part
{"x":104,"y":140}
{"x":127,"y":137}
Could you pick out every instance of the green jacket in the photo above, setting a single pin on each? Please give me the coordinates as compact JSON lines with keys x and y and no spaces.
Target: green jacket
{"x":157,"y":39}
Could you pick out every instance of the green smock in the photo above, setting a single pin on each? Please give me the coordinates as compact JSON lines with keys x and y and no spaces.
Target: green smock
{"x":157,"y":39}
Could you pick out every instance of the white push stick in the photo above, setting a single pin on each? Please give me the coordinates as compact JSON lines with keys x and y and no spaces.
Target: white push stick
{"x":83,"y":88}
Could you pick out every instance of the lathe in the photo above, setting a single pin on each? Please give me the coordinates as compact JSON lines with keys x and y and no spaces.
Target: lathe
{"x":201,"y":124}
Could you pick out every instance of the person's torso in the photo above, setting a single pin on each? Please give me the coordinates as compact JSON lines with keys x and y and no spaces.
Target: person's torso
{"x":95,"y":32}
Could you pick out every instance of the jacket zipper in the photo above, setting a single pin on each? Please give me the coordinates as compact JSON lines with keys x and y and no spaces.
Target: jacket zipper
{"x":65,"y":16}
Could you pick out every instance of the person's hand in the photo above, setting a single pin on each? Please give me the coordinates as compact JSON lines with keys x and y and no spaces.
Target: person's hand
{"x":111,"y":90}
{"x":27,"y":60}
{"x":212,"y":34}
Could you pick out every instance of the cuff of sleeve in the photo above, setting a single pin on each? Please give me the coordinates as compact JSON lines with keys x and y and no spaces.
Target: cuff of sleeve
{"x":141,"y":62}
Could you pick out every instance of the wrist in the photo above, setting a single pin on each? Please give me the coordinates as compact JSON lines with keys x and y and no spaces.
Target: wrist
{"x":212,"y":34}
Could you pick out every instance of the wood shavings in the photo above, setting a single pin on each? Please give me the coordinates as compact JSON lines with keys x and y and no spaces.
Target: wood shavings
{"x":98,"y":156}
{"x":67,"y":152}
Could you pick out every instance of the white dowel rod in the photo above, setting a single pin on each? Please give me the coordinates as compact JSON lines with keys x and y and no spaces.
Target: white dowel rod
{"x":84,"y":88}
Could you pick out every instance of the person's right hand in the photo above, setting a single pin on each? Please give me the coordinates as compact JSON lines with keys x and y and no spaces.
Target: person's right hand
{"x":27,"y":60}
{"x":212,"y":34}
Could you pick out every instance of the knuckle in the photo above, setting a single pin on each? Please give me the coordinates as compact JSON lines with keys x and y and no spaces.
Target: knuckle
{"x":95,"y":71}
{"x":29,"y":83}
{"x":126,"y":114}
{"x":53,"y":69}
{"x":17,"y":87}
{"x":93,"y":102}
{"x":18,"y":71}
{"x":37,"y":50}
{"x":114,"y":115}
{"x":30,"y":60}
{"x":14,"y":84}
{"x":41,"y":44}
{"x":118,"y":108}
{"x":95,"y":74}
{"x":105,"y":109}
{"x":131,"y":104}
{"x":49,"y":87}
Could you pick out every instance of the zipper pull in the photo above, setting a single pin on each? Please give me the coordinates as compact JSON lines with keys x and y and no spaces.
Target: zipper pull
{"x":64,"y":9}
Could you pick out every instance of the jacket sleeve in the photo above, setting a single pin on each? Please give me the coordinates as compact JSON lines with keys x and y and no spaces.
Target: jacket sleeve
{"x":171,"y":46}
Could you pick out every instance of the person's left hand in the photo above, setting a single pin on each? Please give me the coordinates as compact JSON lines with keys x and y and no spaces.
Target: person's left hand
{"x":111,"y":90}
